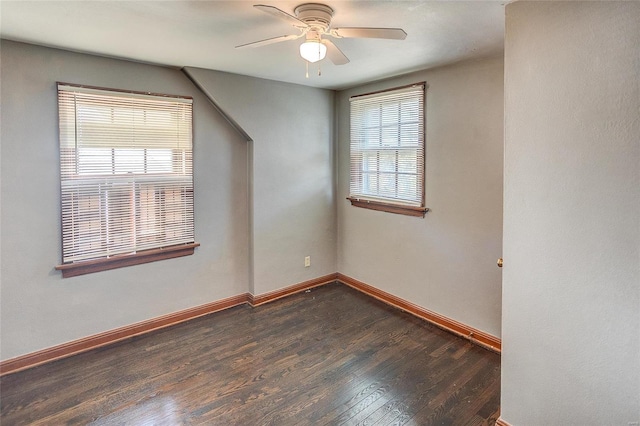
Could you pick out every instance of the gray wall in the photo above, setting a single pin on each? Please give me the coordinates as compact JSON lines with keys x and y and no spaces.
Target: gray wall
{"x":260,"y":206}
{"x":445,"y":262}
{"x":292,"y":174}
{"x":293,"y":188}
{"x":571,"y":285}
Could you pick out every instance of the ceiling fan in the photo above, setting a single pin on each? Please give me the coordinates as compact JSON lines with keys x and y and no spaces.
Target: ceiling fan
{"x":313,"y":20}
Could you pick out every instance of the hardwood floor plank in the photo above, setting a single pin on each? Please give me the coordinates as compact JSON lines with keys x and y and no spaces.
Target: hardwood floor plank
{"x":326,"y":357}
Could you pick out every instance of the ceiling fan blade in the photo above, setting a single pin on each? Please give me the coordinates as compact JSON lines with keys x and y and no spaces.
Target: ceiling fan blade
{"x":270,"y":41}
{"x":335,"y":54}
{"x":271,"y":10}
{"x":388,"y":33}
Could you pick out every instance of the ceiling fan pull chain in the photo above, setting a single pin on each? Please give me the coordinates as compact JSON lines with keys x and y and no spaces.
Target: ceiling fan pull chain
{"x":319,"y":56}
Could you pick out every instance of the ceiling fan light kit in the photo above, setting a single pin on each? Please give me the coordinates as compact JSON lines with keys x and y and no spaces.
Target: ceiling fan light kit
{"x":313,"y":20}
{"x":313,"y":50}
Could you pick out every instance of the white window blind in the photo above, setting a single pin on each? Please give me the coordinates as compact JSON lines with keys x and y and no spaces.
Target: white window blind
{"x":126,"y":172}
{"x":387,"y":146}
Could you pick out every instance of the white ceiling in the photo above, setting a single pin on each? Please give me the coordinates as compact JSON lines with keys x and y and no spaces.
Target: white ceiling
{"x":204,"y":33}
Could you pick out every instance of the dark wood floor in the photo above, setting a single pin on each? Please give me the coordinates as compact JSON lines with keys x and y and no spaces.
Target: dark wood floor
{"x":329,"y":356}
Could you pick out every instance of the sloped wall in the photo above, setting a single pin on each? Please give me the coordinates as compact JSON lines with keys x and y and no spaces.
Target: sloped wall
{"x":292,"y":178}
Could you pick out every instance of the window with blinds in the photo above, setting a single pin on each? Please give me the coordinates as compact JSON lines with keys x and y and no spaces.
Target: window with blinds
{"x":126,"y":172}
{"x":388,"y":150}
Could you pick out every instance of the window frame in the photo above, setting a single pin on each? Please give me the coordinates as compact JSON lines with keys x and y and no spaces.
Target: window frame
{"x":397,"y":206}
{"x":157,"y":251}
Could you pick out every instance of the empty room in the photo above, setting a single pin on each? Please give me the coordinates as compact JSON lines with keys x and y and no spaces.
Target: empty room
{"x":348,"y":212}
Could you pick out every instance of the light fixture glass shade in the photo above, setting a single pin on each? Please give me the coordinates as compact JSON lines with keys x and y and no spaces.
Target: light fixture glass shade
{"x":313,"y":50}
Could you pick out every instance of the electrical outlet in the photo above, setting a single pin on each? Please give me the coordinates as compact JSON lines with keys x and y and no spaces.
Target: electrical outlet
{"x":307,"y":261}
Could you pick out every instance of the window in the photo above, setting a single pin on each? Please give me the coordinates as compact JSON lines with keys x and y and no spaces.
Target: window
{"x":126,"y":178}
{"x":387,"y":151}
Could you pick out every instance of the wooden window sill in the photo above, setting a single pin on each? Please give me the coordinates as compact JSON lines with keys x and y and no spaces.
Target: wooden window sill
{"x":120,"y":261}
{"x":388,"y":207}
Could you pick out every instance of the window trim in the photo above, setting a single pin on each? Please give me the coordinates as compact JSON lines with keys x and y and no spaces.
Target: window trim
{"x":130,"y":92}
{"x":388,"y":206}
{"x":81,"y":267}
{"x":119,"y":261}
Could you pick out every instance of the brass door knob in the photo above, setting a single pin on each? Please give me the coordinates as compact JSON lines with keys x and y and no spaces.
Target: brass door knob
{"x":499,"y":262}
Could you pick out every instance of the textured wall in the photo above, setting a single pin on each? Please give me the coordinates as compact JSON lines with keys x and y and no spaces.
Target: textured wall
{"x":286,"y":178}
{"x":571,"y":284}
{"x":39,"y":309}
{"x":445,"y":262}
{"x":292,"y":174}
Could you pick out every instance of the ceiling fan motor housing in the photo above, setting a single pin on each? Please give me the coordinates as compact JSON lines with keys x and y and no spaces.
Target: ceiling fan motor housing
{"x":317,"y":16}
